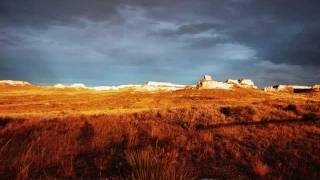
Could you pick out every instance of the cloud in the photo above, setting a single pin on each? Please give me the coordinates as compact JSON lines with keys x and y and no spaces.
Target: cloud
{"x":270,"y":73}
{"x":110,"y":41}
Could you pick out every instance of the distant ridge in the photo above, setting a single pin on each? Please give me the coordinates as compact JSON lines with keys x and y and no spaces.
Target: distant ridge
{"x":14,"y":83}
{"x":206,"y":82}
{"x":147,"y":86}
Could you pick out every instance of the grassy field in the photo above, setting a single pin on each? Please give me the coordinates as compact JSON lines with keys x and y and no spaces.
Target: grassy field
{"x":48,"y":133}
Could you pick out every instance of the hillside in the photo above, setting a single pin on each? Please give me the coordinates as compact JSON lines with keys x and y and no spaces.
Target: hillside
{"x":48,"y":133}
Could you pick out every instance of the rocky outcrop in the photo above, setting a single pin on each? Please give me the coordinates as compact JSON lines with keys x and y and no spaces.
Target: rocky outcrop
{"x":233,"y":81}
{"x":269,"y":89}
{"x":107,"y":88}
{"x":167,"y":86}
{"x":288,"y":88}
{"x":147,"y":86}
{"x":247,"y":83}
{"x":242,"y":83}
{"x":14,"y":83}
{"x":208,"y":83}
{"x":75,"y":85}
{"x":316,"y":87}
{"x":162,"y":84}
{"x":207,"y":77}
{"x":97,"y":88}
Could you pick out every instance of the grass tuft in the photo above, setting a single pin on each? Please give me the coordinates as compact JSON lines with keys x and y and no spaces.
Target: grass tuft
{"x":239,"y":113}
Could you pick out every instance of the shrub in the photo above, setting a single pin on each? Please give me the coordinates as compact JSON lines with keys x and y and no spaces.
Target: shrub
{"x":291,"y":107}
{"x":227,"y":111}
{"x":310,"y":117}
{"x":312,"y":107}
{"x":3,"y":122}
{"x":86,"y":133}
{"x":240,"y":113}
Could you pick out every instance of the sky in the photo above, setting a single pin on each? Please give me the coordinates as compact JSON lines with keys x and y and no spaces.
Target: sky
{"x":112,"y":42}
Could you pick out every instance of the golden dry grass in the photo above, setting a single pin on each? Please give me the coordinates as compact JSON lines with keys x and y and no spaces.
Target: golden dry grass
{"x":49,"y":133}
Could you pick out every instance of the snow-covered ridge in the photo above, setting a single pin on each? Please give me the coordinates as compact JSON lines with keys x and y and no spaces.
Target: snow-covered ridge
{"x":14,"y":83}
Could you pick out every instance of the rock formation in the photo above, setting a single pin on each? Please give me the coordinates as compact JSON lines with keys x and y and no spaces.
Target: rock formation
{"x":243,"y":83}
{"x":207,"y":77}
{"x":207,"y":83}
{"x":233,"y":81}
{"x":152,"y":85}
{"x":147,"y":86}
{"x":59,"y":86}
{"x":106,"y":88}
{"x":14,"y":83}
{"x":162,"y":84}
{"x":247,"y":83}
{"x":289,"y":88}
{"x":75,"y":85}
{"x":316,"y":87}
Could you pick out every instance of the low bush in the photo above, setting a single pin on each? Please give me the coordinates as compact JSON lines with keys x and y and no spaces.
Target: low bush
{"x":291,"y":107}
{"x":86,"y":133}
{"x":3,"y":122}
{"x":310,"y":117}
{"x":312,"y":107}
{"x":239,"y":113}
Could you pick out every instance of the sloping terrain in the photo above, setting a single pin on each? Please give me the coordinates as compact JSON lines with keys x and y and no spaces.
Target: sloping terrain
{"x":48,"y":133}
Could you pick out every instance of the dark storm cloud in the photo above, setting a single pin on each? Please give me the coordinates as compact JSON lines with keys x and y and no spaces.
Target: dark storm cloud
{"x":281,"y":31}
{"x":40,"y":13}
{"x":286,"y":32}
{"x":97,"y":40}
{"x":194,"y":28}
